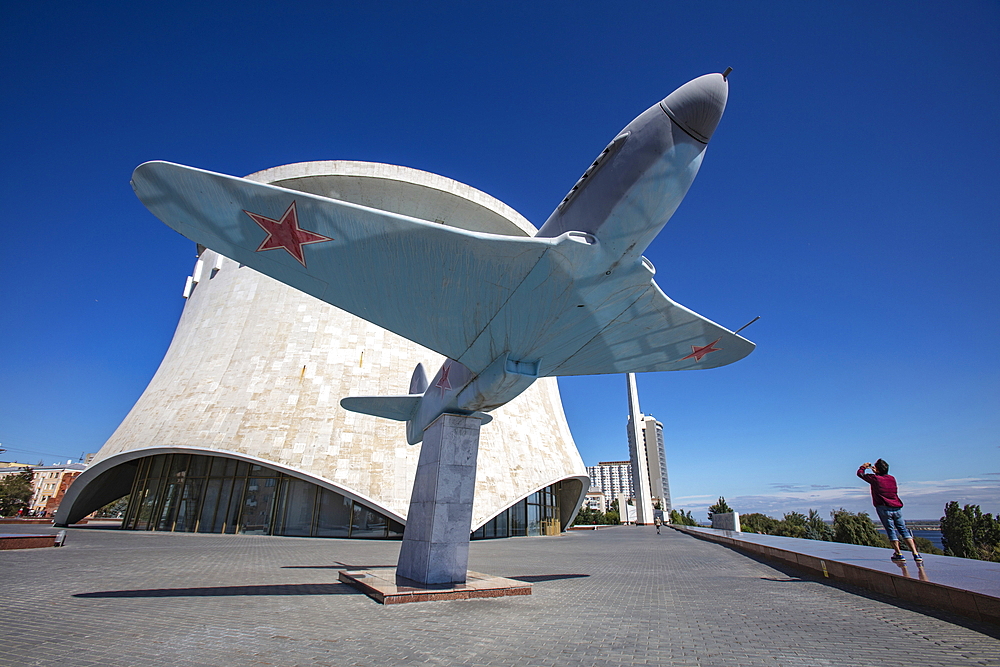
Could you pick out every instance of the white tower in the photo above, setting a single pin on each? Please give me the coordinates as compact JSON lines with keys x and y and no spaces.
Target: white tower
{"x":637,"y":452}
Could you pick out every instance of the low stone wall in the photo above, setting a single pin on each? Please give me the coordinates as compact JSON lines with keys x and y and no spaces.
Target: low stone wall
{"x":966,"y":587}
{"x":11,"y":541}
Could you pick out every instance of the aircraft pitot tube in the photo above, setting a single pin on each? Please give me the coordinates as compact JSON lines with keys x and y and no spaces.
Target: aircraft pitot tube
{"x":578,"y":298}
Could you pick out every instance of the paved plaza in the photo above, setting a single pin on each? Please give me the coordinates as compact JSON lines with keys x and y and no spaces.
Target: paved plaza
{"x":617,"y":596}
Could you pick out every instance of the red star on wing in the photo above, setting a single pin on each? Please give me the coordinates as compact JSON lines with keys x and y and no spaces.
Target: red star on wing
{"x":286,"y":233}
{"x":698,"y":352}
{"x":444,"y":384}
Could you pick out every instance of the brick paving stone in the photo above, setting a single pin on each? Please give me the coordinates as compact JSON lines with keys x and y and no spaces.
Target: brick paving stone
{"x":607,"y":598}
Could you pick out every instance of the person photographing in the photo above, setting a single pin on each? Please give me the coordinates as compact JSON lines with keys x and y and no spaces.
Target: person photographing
{"x":889,"y":506}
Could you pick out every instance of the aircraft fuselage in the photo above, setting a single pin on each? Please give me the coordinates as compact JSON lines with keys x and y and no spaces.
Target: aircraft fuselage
{"x":595,"y":266}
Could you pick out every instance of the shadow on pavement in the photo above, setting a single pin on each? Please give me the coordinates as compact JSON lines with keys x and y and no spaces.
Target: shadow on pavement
{"x":535,"y":578}
{"x":210,"y":591}
{"x":338,"y":566}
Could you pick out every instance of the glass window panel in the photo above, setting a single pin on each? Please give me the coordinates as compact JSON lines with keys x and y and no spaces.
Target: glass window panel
{"x":300,"y":497}
{"x":135,"y":495}
{"x":206,"y":524}
{"x":241,"y":468}
{"x":502,"y":529}
{"x":517,"y":516}
{"x":479,"y":533}
{"x":156,"y":468}
{"x":178,"y":465}
{"x":534,"y":520}
{"x":147,"y":501}
{"x":258,"y":503}
{"x":395,"y":530}
{"x":232,"y":510}
{"x":168,"y":507}
{"x":153,"y":500}
{"x":223,"y":467}
{"x":143,"y":470}
{"x":131,"y":509}
{"x":334,"y":518}
{"x":198,"y":466}
{"x":367,"y":523}
{"x":187,"y":511}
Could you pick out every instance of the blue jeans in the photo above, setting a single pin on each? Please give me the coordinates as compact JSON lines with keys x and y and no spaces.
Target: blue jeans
{"x":892,"y":519}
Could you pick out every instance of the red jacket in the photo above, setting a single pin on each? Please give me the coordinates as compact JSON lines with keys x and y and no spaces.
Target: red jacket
{"x":883,"y":489}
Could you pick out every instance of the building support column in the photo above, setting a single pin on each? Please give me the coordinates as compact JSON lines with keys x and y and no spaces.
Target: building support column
{"x":435,"y":547}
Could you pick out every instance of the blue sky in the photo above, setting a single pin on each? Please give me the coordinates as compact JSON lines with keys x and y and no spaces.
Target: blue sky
{"x":845,"y":198}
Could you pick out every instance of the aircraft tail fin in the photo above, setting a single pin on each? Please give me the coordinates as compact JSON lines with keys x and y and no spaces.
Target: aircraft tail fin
{"x":418,"y":381}
{"x":399,"y":408}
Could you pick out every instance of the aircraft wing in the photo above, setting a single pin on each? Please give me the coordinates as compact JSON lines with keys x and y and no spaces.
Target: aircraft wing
{"x":435,"y":285}
{"x":656,"y":334}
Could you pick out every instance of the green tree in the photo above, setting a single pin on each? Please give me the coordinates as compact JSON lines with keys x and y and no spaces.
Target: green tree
{"x":587,"y":517}
{"x":817,"y":529}
{"x":721,"y":507}
{"x":968,"y":533}
{"x":986,"y":533}
{"x":679,"y":518}
{"x":850,"y":528}
{"x":758,"y":523}
{"x":956,"y":532}
{"x":792,"y":525}
{"x":15,"y":492}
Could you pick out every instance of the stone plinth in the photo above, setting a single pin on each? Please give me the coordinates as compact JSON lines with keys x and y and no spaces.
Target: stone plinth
{"x":382,"y":585}
{"x":435,"y":547}
{"x":727,"y":521}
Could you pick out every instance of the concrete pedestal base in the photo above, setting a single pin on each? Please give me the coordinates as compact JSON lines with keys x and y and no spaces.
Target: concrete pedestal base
{"x":383,"y":585}
{"x":435,"y":547}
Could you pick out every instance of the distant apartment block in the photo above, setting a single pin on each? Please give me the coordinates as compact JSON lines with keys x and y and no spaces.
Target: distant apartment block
{"x":612,"y":478}
{"x":596,"y":500}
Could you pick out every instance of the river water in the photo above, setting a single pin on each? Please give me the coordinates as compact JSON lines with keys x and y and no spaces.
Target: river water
{"x":933,"y":535}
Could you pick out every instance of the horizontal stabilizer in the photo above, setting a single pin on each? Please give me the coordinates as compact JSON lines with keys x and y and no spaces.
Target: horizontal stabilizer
{"x":400,"y":408}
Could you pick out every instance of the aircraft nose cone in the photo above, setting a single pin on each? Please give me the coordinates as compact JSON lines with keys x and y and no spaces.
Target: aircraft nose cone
{"x":697,"y":106}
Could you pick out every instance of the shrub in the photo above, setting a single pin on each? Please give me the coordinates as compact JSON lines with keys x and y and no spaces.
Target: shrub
{"x":850,"y":528}
{"x":757,"y":523}
{"x":968,"y":533}
{"x":681,"y":519}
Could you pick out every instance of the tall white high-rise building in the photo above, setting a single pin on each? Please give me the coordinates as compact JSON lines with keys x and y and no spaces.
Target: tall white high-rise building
{"x":612,"y":478}
{"x":656,"y":460}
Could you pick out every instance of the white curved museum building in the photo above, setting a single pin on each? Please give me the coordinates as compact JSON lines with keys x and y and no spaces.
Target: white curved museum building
{"x":241,"y":430}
